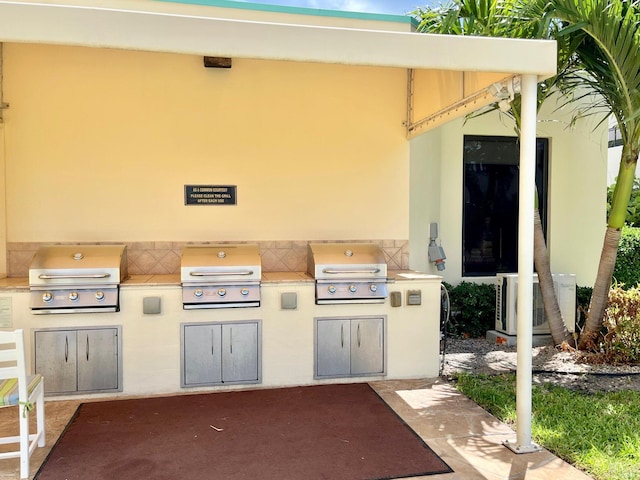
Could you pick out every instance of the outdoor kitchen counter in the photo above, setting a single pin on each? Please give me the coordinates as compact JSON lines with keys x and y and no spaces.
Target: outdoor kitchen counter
{"x":22,"y":283}
{"x":267,"y":277}
{"x":151,"y":342}
{"x":14,"y":283}
{"x":168,"y":280}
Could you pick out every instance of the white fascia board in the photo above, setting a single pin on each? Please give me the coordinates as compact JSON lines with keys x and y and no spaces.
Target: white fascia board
{"x":102,"y":27}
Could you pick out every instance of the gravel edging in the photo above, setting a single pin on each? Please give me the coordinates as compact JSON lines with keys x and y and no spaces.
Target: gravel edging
{"x":549,"y":366}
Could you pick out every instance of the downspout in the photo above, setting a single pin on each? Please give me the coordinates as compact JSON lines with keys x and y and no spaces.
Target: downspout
{"x":524,"y":374}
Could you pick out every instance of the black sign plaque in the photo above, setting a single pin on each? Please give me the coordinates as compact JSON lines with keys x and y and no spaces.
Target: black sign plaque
{"x":210,"y":195}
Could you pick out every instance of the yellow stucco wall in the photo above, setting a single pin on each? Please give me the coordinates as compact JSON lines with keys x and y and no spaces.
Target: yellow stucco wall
{"x":434,"y":90}
{"x":100,"y":144}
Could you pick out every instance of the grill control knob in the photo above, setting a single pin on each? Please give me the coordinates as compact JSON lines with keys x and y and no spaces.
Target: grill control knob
{"x":99,"y":295}
{"x":244,"y":292}
{"x":373,"y":288}
{"x":73,"y":296}
{"x":47,"y":297}
{"x":331,"y":289}
{"x":198,"y":293}
{"x":222,"y":292}
{"x":353,"y":288}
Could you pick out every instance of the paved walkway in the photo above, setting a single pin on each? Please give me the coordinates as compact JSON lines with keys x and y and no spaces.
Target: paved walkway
{"x":465,"y":436}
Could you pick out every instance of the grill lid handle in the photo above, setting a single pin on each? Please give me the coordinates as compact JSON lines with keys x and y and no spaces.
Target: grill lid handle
{"x":334,"y":272}
{"x":45,"y":276}
{"x":221,"y":274}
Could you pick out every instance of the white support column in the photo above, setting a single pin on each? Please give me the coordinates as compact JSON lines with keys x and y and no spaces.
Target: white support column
{"x":525,"y":267}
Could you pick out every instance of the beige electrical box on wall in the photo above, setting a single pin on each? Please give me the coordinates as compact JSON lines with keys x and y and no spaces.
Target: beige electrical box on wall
{"x":396,"y":299}
{"x":151,"y":305}
{"x":414,"y":297}
{"x":289,"y":301}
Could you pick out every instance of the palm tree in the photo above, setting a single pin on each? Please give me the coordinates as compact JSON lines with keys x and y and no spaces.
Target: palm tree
{"x":608,"y":34}
{"x":599,"y":41}
{"x":522,"y":20}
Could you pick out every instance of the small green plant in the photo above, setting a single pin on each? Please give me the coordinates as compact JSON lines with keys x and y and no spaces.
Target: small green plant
{"x":627,"y":269}
{"x":621,"y":343}
{"x":473,"y":309}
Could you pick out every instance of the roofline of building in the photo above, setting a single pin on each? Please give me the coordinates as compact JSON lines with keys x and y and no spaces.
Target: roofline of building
{"x":135,"y":26}
{"x":318,"y":12}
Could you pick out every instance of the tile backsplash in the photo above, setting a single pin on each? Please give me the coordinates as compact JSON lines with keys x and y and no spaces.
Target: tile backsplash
{"x":158,"y":258}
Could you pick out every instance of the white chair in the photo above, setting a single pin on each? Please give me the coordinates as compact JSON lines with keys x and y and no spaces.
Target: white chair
{"x":27,"y":392}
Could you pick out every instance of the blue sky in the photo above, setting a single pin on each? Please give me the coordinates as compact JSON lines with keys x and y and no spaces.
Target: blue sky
{"x":394,"y":7}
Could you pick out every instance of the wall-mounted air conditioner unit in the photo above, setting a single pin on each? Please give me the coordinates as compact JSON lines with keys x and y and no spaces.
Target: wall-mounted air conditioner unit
{"x":507,"y":297}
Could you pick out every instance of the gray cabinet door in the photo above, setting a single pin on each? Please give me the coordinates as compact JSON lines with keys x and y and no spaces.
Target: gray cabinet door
{"x":202,"y":362}
{"x":240,"y":352}
{"x":367,"y":346}
{"x":55,"y":360}
{"x":97,"y":359}
{"x":333,"y":345}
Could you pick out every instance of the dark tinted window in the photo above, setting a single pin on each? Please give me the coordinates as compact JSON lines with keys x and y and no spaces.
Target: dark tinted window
{"x":490,"y":202}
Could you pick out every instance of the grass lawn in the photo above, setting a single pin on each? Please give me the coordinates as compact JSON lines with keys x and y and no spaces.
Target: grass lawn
{"x":597,"y":433}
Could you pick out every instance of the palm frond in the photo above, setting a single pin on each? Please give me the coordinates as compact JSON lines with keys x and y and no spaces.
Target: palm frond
{"x":608,"y":50}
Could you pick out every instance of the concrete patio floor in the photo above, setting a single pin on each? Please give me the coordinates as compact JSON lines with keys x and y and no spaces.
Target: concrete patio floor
{"x":464,"y":435}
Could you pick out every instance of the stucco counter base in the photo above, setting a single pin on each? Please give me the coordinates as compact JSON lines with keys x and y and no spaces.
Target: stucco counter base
{"x":151,"y":343}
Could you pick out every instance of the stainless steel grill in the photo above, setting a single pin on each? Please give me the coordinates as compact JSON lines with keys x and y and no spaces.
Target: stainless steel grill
{"x":77,"y":278}
{"x":220,"y":276}
{"x":348,"y":272}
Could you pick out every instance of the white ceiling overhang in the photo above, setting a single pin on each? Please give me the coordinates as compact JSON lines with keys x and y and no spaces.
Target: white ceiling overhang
{"x":151,"y":26}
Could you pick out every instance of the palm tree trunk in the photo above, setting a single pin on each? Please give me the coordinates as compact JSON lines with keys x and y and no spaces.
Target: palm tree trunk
{"x":600,"y":294}
{"x":617,"y":216}
{"x":559,"y":331}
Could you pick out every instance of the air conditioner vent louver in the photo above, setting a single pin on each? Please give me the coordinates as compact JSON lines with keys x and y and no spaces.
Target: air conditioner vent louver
{"x":500,"y":314}
{"x":506,"y":302}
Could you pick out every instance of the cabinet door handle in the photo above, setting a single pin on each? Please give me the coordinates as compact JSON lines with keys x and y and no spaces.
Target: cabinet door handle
{"x":66,"y":349}
{"x":212,"y":342}
{"x":231,"y":340}
{"x":87,"y":351}
{"x":342,"y":336}
{"x":358,"y":334}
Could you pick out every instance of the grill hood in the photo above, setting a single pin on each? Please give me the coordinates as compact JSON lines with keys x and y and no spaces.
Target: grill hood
{"x":220,"y":276}
{"x":77,"y":278}
{"x":328,"y":261}
{"x":220,"y":263}
{"x":348,"y":272}
{"x":78,"y":264}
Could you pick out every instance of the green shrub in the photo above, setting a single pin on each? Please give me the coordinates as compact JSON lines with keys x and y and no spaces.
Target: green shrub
{"x":633,"y":209}
{"x":621,"y":342}
{"x":627,"y":269}
{"x":583,"y":295}
{"x":473,"y":309}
